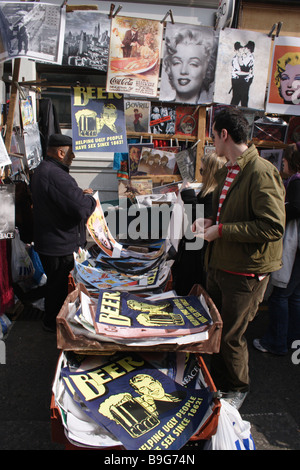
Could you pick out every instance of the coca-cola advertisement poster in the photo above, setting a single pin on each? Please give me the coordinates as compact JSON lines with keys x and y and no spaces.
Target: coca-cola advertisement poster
{"x":134,"y":56}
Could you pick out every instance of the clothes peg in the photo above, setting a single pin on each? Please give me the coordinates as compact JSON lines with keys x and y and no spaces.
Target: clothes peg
{"x":279,"y":28}
{"x":272,"y":30}
{"x":166,"y":15}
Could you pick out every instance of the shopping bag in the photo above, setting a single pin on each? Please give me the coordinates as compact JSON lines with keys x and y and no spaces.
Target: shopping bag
{"x":21,"y":263}
{"x":38,"y":267}
{"x":233,"y":433}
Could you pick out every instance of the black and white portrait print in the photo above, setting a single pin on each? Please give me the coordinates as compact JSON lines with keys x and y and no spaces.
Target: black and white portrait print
{"x":189,"y":61}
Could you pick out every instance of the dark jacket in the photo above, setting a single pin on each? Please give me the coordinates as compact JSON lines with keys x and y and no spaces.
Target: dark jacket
{"x":188,"y":268}
{"x":60,"y":210}
{"x":253,"y":218}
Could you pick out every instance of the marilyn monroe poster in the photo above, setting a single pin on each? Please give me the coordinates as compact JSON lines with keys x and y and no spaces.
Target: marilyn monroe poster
{"x":188,"y":64}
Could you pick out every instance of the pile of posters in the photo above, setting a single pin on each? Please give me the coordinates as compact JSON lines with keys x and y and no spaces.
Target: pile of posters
{"x":126,"y":318}
{"x":131,"y":401}
{"x":110,"y":264}
{"x":98,"y":274}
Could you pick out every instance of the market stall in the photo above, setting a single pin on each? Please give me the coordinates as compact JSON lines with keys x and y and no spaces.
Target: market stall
{"x":142,"y":109}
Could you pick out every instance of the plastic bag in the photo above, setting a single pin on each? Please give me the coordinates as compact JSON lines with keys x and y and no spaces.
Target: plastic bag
{"x":21,"y":263}
{"x":233,"y":433}
{"x":38,"y":268}
{"x":5,"y":323}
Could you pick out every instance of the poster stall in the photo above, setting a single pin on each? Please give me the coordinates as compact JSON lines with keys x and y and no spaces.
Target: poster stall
{"x":131,"y":373}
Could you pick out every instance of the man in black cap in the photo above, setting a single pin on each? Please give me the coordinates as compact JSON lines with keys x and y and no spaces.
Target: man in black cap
{"x":60,"y":211}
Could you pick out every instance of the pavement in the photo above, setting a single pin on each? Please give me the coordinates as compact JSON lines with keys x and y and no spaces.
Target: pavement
{"x":272,"y":406}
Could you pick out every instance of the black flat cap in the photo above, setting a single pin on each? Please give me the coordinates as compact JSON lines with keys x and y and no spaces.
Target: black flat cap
{"x":59,"y":140}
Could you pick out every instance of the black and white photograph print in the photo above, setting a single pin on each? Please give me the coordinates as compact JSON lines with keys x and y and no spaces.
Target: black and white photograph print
{"x":32,"y":30}
{"x":188,"y":65}
{"x":33,"y":147}
{"x":86,"y":42}
{"x":242,"y":68}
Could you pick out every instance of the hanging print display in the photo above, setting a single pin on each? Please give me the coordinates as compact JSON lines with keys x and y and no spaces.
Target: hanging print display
{"x":98,"y":122}
{"x":284,"y":86}
{"x":86,"y":39}
{"x":134,"y":56}
{"x":32,"y":30}
{"x":242,"y":68}
{"x":189,"y":60}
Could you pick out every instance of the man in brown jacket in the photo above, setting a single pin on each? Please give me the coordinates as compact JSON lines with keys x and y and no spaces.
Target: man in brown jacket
{"x":245,"y":245}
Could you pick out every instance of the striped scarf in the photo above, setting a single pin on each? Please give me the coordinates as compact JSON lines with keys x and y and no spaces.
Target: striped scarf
{"x":233,"y":170}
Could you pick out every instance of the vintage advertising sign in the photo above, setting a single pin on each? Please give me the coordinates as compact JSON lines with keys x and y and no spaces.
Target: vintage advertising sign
{"x":134,"y":56}
{"x":98,"y":122}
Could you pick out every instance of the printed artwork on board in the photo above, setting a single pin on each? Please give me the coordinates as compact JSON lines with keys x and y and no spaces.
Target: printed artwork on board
{"x":162,"y":119}
{"x":33,"y":146}
{"x":26,"y":111}
{"x":137,"y":115}
{"x":86,"y":40}
{"x":33,"y":30}
{"x":98,"y":122}
{"x":242,"y":68}
{"x":134,"y":56}
{"x":186,"y":120}
{"x":134,"y":156}
{"x":157,"y":162}
{"x":188,"y":66}
{"x":284,"y":86}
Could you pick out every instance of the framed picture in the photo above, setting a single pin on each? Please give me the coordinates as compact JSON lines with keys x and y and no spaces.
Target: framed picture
{"x":274,"y":156}
{"x":270,"y":129}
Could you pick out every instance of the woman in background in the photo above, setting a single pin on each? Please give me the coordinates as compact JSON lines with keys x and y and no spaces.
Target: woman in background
{"x":188,"y":268}
{"x":284,"y":301}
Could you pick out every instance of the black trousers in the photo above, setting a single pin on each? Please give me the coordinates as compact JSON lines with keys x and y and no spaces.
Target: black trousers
{"x":57,"y":270}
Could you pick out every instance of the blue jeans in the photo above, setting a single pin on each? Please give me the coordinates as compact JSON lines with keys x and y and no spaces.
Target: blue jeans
{"x":284,"y":314}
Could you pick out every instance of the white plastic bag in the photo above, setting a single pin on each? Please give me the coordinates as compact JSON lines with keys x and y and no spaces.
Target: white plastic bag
{"x":21,"y":263}
{"x":233,"y":433}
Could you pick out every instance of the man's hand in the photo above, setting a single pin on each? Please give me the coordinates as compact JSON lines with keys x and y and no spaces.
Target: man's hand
{"x":88,"y":191}
{"x":199,"y":227}
{"x":211,"y":233}
{"x":203,"y":228}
